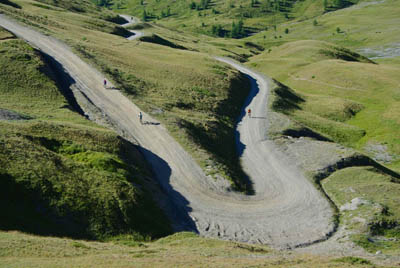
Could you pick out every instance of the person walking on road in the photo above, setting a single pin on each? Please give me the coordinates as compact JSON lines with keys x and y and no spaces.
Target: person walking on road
{"x":249,"y":112}
{"x":105,"y":83}
{"x":141,"y":118}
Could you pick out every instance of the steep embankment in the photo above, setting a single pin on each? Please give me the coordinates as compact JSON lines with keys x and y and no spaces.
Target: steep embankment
{"x":284,"y":202}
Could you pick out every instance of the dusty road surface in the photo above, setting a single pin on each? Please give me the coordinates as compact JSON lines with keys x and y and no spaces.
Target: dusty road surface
{"x":132,"y":21}
{"x":285,"y":211}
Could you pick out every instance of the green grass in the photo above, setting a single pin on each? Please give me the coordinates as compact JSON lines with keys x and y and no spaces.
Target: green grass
{"x":376,"y":224}
{"x":60,"y":174}
{"x":257,"y":16}
{"x":366,"y":26}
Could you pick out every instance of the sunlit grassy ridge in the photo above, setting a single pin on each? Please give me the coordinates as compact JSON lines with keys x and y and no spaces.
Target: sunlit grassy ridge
{"x":60,"y":174}
{"x":179,"y":250}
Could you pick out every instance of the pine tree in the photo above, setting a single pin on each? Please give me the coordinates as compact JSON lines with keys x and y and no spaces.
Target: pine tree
{"x":325,"y":5}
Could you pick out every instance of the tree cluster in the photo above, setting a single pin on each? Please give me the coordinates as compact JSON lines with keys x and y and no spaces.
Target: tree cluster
{"x":237,"y":30}
{"x":199,"y":6}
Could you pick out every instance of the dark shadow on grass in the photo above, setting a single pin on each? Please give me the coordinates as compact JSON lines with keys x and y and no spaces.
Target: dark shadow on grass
{"x":9,"y":3}
{"x":25,"y":210}
{"x":155,"y":39}
{"x":55,"y":71}
{"x":357,"y":160}
{"x":305,"y":132}
{"x":176,"y":207}
{"x":39,"y":209}
{"x":286,"y":100}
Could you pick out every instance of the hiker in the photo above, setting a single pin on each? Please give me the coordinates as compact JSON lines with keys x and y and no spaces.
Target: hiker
{"x":141,"y":118}
{"x":105,"y":83}
{"x":249,"y":112}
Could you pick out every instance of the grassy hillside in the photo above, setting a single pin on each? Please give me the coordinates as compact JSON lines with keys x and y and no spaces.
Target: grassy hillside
{"x":60,"y":174}
{"x":202,"y":16}
{"x":346,"y":97}
{"x":369,"y":24}
{"x":196,"y":97}
{"x":179,"y":250}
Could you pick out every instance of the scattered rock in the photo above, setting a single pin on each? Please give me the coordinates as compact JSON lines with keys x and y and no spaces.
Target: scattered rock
{"x":157,"y":111}
{"x":10,"y":115}
{"x":378,"y":252}
{"x":351,"y":190}
{"x":360,"y":220}
{"x":382,"y":52}
{"x":379,"y":152}
{"x":354,"y":204}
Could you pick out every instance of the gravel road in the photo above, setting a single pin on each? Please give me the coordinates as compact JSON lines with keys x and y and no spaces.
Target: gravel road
{"x":286,"y":209}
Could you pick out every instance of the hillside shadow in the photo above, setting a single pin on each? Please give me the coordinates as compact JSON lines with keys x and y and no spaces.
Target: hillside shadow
{"x":155,"y":39}
{"x":28,"y":209}
{"x":286,"y":100}
{"x":176,"y":206}
{"x":56,"y":72}
{"x":9,"y":3}
{"x":24,"y":210}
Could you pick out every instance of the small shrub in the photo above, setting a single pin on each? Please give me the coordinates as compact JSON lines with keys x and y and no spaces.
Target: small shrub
{"x":353,"y":260}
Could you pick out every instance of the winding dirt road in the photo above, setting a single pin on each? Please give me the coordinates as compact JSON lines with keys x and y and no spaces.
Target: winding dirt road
{"x":131,"y":21}
{"x":286,"y":209}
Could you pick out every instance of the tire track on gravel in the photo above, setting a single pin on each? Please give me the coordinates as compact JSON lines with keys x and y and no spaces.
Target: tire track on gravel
{"x":286,"y":209}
